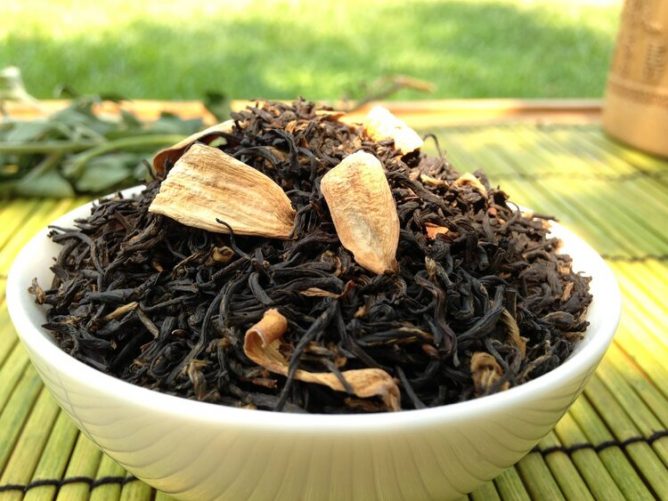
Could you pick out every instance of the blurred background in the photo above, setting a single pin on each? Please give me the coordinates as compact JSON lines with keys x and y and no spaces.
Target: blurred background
{"x":320,"y":50}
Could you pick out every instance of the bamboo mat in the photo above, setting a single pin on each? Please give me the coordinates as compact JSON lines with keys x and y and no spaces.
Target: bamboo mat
{"x":613,"y":442}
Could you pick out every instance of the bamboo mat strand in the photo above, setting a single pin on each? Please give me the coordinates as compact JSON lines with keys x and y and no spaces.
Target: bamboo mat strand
{"x":563,"y":469}
{"x":585,"y":460}
{"x":136,"y":491}
{"x":538,"y":479}
{"x":613,"y":457}
{"x":54,"y":458}
{"x":510,"y":487}
{"x":30,"y":445}
{"x":641,"y":453}
{"x":83,"y":465}
{"x":613,"y":442}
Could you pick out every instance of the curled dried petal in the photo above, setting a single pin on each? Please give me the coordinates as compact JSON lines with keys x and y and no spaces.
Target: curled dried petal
{"x":169,"y":156}
{"x":261,"y":343}
{"x":272,"y":326}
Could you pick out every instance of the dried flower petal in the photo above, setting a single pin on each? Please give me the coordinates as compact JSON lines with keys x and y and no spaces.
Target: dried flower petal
{"x":206,"y":184}
{"x":363,"y":211}
{"x":222,"y":254}
{"x":261,"y":346}
{"x":469,"y":179}
{"x":486,"y":371}
{"x":381,"y":124}
{"x":432,"y":181}
{"x":169,"y":156}
{"x":433,"y":230}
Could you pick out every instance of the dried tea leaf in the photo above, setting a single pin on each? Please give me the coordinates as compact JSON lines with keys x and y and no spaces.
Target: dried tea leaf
{"x":514,"y":331}
{"x":261,"y":346}
{"x":433,"y":230}
{"x":265,"y":382}
{"x":469,"y":179}
{"x":318,"y":292}
{"x":363,"y":211}
{"x":194,"y":373}
{"x":430,"y":267}
{"x":362,"y":311}
{"x":381,"y":124}
{"x":568,"y":290}
{"x":37,"y":291}
{"x":206,"y":184}
{"x":120,"y":311}
{"x":486,"y":371}
{"x":148,"y":323}
{"x":169,"y":156}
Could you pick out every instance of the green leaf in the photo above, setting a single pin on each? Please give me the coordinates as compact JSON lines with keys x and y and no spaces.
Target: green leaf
{"x":114,"y":97}
{"x":75,"y":148}
{"x":23,"y":132}
{"x":80,"y":117}
{"x":142,"y":171}
{"x":107,"y":171}
{"x":96,"y":178}
{"x":65,"y":91}
{"x":49,"y":184}
{"x":171,"y":124}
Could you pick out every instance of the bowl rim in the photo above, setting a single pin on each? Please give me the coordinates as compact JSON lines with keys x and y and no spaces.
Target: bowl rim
{"x":581,"y":361}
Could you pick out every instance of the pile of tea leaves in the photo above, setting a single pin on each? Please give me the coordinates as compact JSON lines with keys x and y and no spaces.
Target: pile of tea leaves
{"x":480,"y":300}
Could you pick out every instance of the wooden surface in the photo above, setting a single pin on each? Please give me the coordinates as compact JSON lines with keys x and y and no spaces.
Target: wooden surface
{"x":427,"y":113}
{"x":613,"y":442}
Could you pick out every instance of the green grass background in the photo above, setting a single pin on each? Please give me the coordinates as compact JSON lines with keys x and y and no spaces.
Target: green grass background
{"x":320,"y":49}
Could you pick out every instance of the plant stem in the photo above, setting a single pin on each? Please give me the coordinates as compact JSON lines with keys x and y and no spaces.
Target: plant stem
{"x":45,"y":165}
{"x":96,"y":147}
{"x":46,"y":147}
{"x":125,"y":143}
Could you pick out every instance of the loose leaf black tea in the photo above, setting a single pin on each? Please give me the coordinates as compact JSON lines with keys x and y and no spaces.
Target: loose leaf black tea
{"x":479,"y":300}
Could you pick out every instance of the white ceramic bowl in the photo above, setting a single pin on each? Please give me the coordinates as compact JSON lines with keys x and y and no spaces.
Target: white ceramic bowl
{"x":195,"y":450}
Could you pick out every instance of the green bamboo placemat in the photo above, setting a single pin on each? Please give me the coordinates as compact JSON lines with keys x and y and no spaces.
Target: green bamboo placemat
{"x":612,"y":444}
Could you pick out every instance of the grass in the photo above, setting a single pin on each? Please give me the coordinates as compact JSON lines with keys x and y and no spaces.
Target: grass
{"x":321,"y":50}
